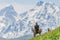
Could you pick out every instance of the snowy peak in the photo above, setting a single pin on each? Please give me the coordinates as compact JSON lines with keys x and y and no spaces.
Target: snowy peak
{"x":8,"y":7}
{"x":39,"y":3}
{"x":8,"y":10}
{"x":11,"y":7}
{"x":42,"y":3}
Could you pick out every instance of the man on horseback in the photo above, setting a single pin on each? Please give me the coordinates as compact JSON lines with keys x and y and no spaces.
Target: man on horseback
{"x":36,"y":29}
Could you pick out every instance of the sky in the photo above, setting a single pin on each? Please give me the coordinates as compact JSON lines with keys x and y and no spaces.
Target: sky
{"x":23,"y":5}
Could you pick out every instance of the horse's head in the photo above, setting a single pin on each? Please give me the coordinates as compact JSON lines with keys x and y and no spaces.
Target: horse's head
{"x":40,"y":30}
{"x":48,"y":29}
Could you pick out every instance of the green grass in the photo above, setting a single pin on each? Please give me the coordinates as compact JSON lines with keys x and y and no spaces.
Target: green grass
{"x":51,"y":35}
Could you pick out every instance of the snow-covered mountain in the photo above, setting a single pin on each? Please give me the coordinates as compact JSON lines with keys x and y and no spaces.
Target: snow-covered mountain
{"x":14,"y":25}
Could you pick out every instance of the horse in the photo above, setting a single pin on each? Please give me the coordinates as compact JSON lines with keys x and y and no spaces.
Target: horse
{"x":38,"y":32}
{"x":49,"y":29}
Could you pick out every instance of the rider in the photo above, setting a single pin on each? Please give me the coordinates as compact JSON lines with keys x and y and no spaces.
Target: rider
{"x":36,"y":28}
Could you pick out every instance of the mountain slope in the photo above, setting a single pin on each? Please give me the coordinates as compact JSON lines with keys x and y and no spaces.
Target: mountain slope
{"x":51,"y":35}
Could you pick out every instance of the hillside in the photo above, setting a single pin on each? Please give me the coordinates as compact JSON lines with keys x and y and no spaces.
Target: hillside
{"x":51,"y":35}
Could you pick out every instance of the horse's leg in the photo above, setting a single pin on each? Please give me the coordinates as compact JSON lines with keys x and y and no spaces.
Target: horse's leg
{"x":40,"y":30}
{"x":34,"y":32}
